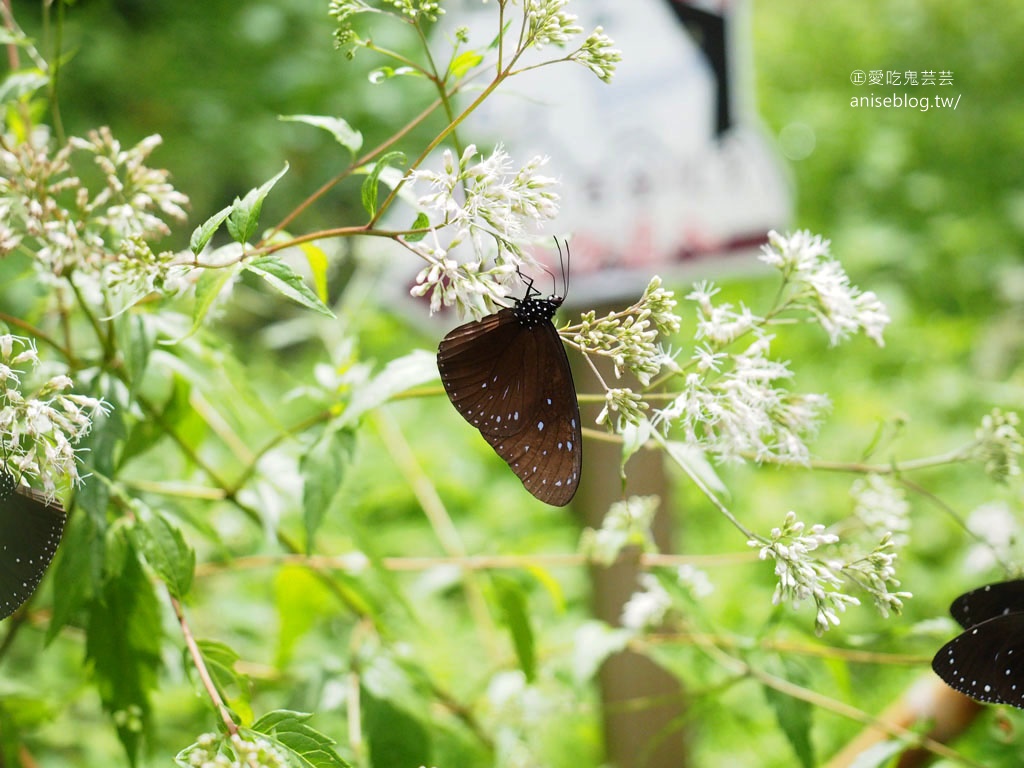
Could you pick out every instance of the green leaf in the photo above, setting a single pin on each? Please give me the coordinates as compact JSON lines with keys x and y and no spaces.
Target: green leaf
{"x":396,"y":737}
{"x":123,"y":648}
{"x":516,"y":616}
{"x":301,"y":599}
{"x":167,"y":553}
{"x":205,"y":231}
{"x":317,"y":260}
{"x":245,"y":213}
{"x":399,"y":375}
{"x":323,"y":468}
{"x":220,"y":660}
{"x":422,"y":222}
{"x":464,"y":62}
{"x":20,"y":84}
{"x":308,"y":747}
{"x":793,"y":715}
{"x":342,"y":132}
{"x":287,"y":282}
{"x":694,"y":459}
{"x":78,"y":574}
{"x":208,"y":288}
{"x":369,"y":191}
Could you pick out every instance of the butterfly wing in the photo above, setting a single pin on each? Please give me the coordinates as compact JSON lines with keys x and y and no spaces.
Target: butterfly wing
{"x":547,"y":454}
{"x":482,"y":370}
{"x":31,"y":527}
{"x":987,"y":602}
{"x":514,"y":384}
{"x":986,"y":662}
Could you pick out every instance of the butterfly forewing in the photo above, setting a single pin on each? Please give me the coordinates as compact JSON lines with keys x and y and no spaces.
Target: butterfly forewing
{"x":987,"y":602}
{"x":986,"y":662}
{"x":508,"y":375}
{"x":31,"y":527}
{"x":482,"y":369}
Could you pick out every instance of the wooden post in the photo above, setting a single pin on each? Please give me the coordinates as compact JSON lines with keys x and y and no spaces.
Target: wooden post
{"x":643,"y":704}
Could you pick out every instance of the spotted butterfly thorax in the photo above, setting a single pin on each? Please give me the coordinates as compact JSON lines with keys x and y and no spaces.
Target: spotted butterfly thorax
{"x":986,"y":661}
{"x":508,"y":375}
{"x":31,"y":526}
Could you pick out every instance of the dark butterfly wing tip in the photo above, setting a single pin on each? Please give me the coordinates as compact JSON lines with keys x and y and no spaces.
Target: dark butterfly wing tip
{"x":31,"y":527}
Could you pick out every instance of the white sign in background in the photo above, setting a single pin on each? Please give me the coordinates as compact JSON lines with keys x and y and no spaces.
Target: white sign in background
{"x":647,"y":185}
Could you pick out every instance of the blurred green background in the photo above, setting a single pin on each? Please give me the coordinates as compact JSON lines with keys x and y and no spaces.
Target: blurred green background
{"x":926,"y":209}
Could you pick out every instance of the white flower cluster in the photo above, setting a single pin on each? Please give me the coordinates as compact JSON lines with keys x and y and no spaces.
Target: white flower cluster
{"x":548,"y":23}
{"x":802,"y":575}
{"x":213,"y":751}
{"x":874,"y":573}
{"x":739,"y":411}
{"x":630,"y":337}
{"x":39,"y":431}
{"x":99,"y":235}
{"x":1000,"y":445}
{"x":598,"y":54}
{"x":817,"y":283}
{"x":478,"y":200}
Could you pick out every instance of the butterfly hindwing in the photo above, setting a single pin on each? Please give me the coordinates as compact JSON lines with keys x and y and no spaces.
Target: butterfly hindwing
{"x":31,"y":527}
{"x":547,"y":454}
{"x":986,"y":661}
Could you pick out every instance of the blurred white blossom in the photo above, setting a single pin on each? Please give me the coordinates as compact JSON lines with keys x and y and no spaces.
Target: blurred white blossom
{"x":648,"y":606}
{"x":882,"y":507}
{"x":627,"y":523}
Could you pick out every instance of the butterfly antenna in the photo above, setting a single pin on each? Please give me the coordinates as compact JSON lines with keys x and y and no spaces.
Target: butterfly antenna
{"x":563,"y":263}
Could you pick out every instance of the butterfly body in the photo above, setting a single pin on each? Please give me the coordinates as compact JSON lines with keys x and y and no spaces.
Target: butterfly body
{"x":986,"y":661}
{"x":31,"y":527}
{"x":508,"y":375}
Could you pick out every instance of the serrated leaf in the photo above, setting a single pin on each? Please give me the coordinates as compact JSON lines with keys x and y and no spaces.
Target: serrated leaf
{"x":343,"y":133}
{"x":464,"y":62}
{"x":306,"y":745}
{"x":634,"y":436}
{"x":369,"y":190}
{"x":167,"y":553}
{"x":422,"y":222}
{"x":202,"y":234}
{"x":317,"y":260}
{"x":287,"y":282}
{"x":208,"y":288}
{"x":244,"y":215}
{"x":515,"y":615}
{"x":399,"y":375}
{"x":323,"y":468}
{"x":123,"y":649}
